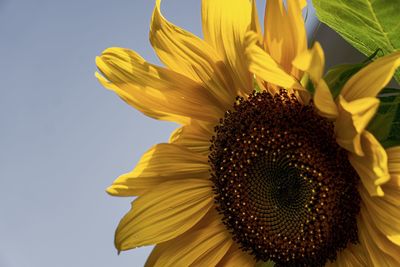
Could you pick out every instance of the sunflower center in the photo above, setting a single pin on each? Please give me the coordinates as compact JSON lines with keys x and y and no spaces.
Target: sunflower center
{"x":285,"y":189}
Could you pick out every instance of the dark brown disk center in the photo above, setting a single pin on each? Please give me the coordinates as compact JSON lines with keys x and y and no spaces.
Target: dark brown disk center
{"x":286,"y":190}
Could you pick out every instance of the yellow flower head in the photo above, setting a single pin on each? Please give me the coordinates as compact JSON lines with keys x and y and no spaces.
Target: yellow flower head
{"x":260,"y":169}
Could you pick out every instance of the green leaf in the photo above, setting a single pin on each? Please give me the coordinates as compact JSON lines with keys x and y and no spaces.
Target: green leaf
{"x":306,"y":82}
{"x":385,"y":125}
{"x":255,"y":86}
{"x":365,"y":24}
{"x":265,"y":264}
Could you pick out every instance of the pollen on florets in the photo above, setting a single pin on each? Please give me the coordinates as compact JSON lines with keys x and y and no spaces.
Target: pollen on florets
{"x":285,"y":189}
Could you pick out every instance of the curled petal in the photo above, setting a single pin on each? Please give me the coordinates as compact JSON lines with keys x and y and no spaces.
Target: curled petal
{"x":324,"y":102}
{"x":312,"y":62}
{"x":265,"y":67}
{"x":373,"y":166}
{"x":353,"y":118}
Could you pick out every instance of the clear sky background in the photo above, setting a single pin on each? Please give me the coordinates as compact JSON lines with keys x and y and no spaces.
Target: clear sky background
{"x":63,"y":138}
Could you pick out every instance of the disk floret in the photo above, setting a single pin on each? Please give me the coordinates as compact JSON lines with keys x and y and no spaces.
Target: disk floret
{"x":285,"y":189}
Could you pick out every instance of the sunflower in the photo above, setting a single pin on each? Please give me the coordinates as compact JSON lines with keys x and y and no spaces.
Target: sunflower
{"x":261,"y":170}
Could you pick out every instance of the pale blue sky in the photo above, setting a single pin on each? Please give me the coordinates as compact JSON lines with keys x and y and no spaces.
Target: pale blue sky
{"x":63,"y":137}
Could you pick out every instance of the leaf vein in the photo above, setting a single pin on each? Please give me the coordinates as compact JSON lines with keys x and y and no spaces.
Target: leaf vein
{"x":379,"y":24}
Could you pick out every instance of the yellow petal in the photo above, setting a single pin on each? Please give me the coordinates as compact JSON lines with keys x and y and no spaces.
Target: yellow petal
{"x":394,"y":166}
{"x":225,"y":23}
{"x":392,"y":187}
{"x":387,"y":208}
{"x":194,"y":137}
{"x":351,"y":256}
{"x":201,"y":247}
{"x":380,"y":251}
{"x":236,"y":257}
{"x":395,"y":180}
{"x":187,"y":54}
{"x":384,"y":215}
{"x":353,"y":118}
{"x":372,"y":167}
{"x":395,"y":239}
{"x":264,"y":66}
{"x":392,"y":194}
{"x":285,"y":35}
{"x":298,"y":29}
{"x":157,"y":92}
{"x":255,"y":22}
{"x":372,"y":78}
{"x":312,"y":62}
{"x":276,"y":34}
{"x":164,"y":213}
{"x":383,"y":243}
{"x":394,"y":159}
{"x":304,"y":97}
{"x":161,"y":163}
{"x":324,"y":102}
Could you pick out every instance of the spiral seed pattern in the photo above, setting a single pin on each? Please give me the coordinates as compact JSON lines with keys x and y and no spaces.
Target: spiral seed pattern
{"x":285,"y":189}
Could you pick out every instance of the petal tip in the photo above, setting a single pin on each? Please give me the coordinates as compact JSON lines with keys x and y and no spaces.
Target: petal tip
{"x":394,"y":239}
{"x":111,"y":190}
{"x":379,"y":192}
